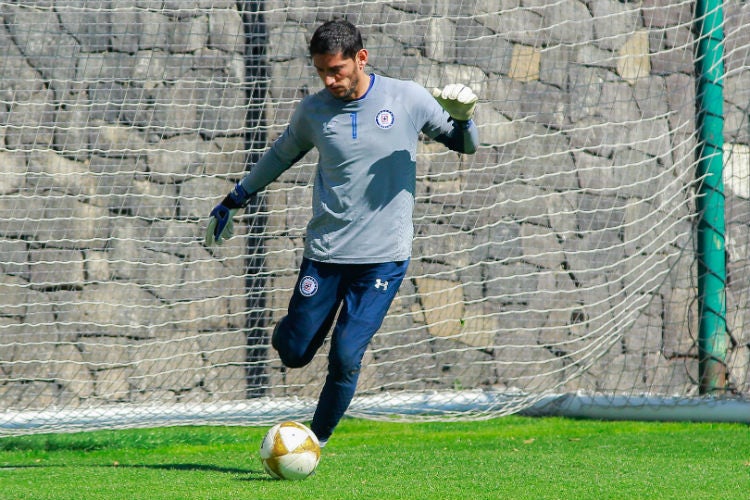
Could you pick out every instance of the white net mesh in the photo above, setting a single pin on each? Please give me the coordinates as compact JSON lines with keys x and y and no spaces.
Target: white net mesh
{"x":559,"y":258}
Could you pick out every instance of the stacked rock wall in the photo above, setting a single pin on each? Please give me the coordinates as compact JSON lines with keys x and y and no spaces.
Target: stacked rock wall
{"x":121,"y":127}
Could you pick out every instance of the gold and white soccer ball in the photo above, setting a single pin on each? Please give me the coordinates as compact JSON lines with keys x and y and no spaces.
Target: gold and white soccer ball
{"x":290,"y":451}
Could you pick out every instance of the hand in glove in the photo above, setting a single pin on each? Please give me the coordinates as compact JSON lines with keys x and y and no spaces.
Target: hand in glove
{"x":220,"y":224}
{"x":458,"y":100}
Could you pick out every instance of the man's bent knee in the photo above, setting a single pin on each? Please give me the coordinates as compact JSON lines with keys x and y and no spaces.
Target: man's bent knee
{"x":290,"y":353}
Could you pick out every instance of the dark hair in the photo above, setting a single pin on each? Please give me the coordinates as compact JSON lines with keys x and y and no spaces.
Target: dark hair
{"x":336,"y":36}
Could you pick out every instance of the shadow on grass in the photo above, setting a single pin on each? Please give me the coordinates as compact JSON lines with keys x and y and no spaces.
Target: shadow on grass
{"x":251,"y":474}
{"x":247,"y":474}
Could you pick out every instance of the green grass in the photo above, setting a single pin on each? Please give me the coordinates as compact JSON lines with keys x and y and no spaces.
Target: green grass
{"x":512,"y":457}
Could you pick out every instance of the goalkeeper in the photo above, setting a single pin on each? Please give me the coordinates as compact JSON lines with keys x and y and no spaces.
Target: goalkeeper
{"x":358,"y":240}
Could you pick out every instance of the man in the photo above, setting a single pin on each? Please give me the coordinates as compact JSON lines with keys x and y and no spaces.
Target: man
{"x":358,"y":241}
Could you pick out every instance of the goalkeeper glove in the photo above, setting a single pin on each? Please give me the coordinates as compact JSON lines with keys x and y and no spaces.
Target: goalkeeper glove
{"x":458,"y":100}
{"x":220,"y":224}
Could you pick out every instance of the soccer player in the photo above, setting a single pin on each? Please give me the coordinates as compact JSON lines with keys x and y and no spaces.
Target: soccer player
{"x":358,"y":241}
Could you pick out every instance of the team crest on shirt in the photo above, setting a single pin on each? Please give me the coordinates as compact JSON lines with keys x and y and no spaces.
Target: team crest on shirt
{"x":308,"y":286}
{"x":384,"y":118}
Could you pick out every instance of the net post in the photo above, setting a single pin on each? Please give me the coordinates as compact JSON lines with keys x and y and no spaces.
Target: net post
{"x":712,"y":338}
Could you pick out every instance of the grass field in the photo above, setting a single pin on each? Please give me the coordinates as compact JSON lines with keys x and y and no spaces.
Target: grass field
{"x":511,"y":457}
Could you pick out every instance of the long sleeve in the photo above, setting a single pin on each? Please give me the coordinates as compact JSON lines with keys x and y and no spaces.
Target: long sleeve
{"x":287,"y":150}
{"x":463,"y":137}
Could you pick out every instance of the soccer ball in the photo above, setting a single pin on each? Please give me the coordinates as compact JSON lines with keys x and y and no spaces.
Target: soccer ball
{"x":290,"y":451}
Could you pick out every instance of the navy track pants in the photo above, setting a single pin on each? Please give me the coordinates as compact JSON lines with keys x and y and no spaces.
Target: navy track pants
{"x":361,"y":295}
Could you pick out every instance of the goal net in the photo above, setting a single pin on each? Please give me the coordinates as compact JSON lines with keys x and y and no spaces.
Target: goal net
{"x":558,"y":259}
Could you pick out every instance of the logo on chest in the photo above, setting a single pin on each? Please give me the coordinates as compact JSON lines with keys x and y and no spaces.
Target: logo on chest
{"x":384,"y":118}
{"x":330,"y":126}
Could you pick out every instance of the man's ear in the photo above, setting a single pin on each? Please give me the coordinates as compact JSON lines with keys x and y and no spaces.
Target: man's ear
{"x":361,"y":58}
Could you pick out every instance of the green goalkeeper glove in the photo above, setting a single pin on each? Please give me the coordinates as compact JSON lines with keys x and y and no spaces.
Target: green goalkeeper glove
{"x":220,"y":223}
{"x":458,"y":100}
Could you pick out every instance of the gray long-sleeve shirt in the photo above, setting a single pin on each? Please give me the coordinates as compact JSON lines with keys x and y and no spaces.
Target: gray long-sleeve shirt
{"x":363,"y":193}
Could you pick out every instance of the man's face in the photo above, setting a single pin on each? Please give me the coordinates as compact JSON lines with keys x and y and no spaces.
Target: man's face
{"x":345,"y":78}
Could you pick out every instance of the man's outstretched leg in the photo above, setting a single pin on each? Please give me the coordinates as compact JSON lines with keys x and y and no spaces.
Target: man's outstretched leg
{"x":368,"y":294}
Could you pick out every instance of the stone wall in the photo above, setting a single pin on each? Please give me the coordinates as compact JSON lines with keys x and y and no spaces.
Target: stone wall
{"x":611,"y":85}
{"x":113,"y":159}
{"x":115,"y":125}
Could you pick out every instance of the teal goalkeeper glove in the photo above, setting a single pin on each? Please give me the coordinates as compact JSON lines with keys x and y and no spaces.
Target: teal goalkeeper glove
{"x":220,"y":223}
{"x":458,"y":100}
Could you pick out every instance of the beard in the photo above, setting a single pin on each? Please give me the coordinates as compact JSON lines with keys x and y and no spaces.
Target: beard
{"x":347,"y":94}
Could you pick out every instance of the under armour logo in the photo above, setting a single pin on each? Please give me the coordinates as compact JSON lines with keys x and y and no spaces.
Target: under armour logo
{"x":380,"y":283}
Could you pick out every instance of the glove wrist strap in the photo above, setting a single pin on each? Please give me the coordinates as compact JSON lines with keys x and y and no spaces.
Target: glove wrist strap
{"x":237,"y":197}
